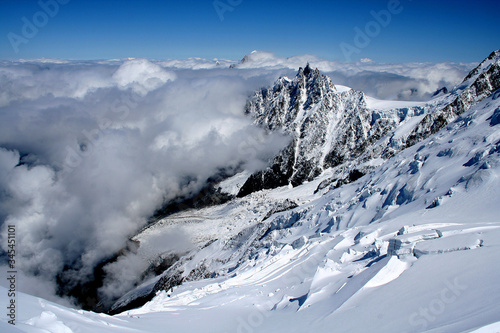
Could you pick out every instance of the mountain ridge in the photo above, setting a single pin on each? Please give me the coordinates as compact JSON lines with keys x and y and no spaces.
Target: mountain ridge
{"x":319,"y":118}
{"x":273,"y":218}
{"x":310,"y":103}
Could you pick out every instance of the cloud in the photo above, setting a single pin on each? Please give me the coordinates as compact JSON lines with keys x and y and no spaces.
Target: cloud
{"x":122,"y":275}
{"x":142,"y":76}
{"x":409,"y":81}
{"x":88,"y":152}
{"x":404,"y":81}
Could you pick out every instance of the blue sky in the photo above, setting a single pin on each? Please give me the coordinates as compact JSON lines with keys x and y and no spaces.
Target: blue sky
{"x":460,"y":31}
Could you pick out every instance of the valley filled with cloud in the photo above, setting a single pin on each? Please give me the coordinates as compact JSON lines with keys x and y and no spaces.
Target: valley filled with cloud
{"x":89,"y":150}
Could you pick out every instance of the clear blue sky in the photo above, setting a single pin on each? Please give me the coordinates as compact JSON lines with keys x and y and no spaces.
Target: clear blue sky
{"x":460,"y":31}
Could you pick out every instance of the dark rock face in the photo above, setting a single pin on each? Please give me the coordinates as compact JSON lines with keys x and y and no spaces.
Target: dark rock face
{"x":278,"y":174}
{"x":84,"y":290}
{"x":281,"y":207}
{"x":209,"y":195}
{"x":328,"y":127}
{"x":443,"y":90}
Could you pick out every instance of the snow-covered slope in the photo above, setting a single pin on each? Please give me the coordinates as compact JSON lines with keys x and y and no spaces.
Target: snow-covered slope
{"x":428,"y":205}
{"x":480,"y":83}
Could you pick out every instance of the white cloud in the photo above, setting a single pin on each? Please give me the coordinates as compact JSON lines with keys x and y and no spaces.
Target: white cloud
{"x":142,"y":76}
{"x":88,"y":151}
{"x":404,"y":81}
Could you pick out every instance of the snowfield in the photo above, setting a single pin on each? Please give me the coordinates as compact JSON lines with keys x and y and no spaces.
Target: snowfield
{"x":412,"y":246}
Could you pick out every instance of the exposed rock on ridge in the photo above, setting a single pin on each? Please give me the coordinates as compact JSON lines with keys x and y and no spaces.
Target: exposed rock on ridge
{"x":328,"y":126}
{"x":481,"y":82}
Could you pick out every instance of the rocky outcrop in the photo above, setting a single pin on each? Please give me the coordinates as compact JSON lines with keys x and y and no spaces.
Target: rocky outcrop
{"x":481,"y":82}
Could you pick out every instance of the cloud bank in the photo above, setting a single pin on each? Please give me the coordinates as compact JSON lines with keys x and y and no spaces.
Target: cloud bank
{"x":405,"y":81}
{"x":90,"y":149}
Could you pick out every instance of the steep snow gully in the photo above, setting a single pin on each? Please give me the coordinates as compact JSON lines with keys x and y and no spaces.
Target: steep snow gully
{"x":380,"y":216}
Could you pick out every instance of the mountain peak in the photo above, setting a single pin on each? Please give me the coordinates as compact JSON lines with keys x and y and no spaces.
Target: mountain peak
{"x":327,"y":127}
{"x":492,"y":59}
{"x":257,"y":58}
{"x":308,"y":71}
{"x":494,"y":54}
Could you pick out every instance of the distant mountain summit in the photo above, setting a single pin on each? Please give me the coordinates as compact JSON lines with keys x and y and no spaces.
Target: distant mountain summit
{"x":259,"y":58}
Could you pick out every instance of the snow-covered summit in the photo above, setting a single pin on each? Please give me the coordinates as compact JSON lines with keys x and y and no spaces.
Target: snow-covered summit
{"x":328,"y":126}
{"x":485,"y":66}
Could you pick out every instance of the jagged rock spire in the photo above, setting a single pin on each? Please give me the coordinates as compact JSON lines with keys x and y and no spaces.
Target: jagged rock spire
{"x":327,"y":127}
{"x":307,"y":70}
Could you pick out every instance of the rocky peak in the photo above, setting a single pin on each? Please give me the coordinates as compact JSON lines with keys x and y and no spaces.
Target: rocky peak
{"x":493,"y":58}
{"x":307,"y":72}
{"x":330,"y":127}
{"x":327,"y":127}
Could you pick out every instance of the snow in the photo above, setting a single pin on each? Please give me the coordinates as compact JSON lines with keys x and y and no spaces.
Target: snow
{"x":379,"y":104}
{"x":391,"y":271}
{"x":406,"y":127}
{"x":340,"y":88}
{"x":489,"y":328}
{"x":374,"y":255}
{"x":232,"y":185}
